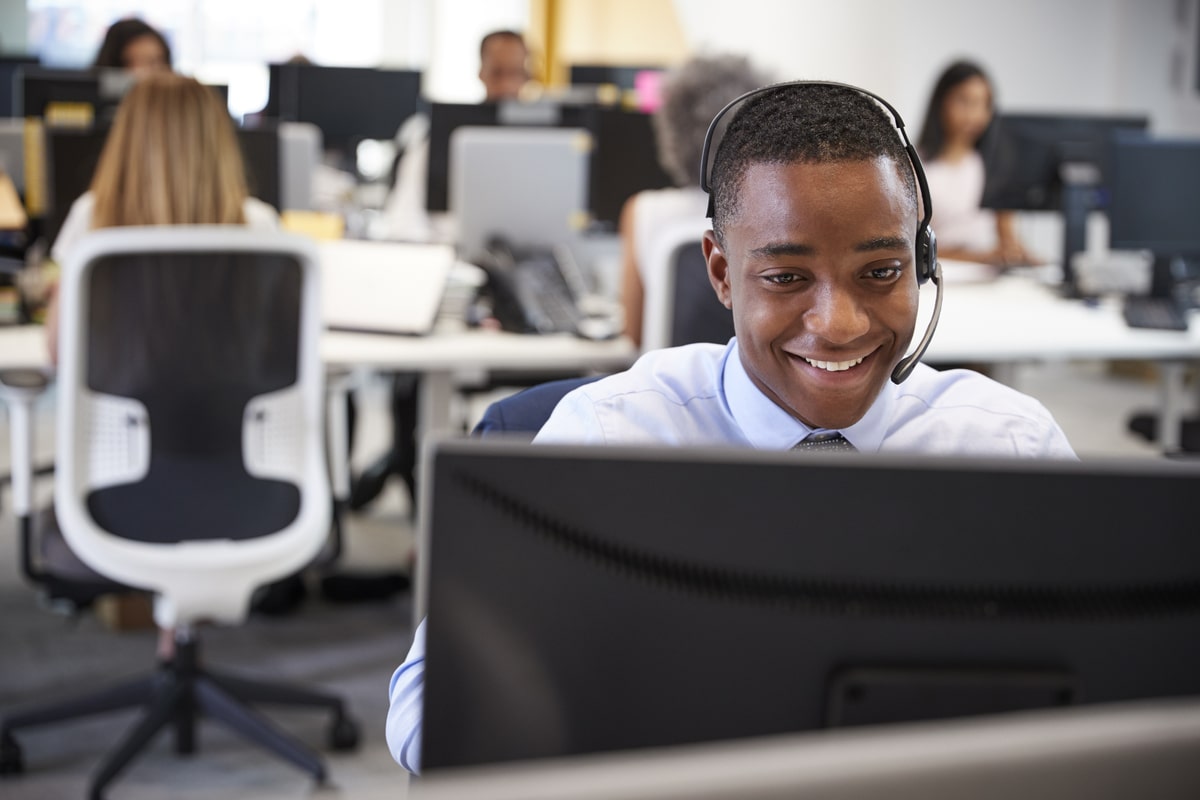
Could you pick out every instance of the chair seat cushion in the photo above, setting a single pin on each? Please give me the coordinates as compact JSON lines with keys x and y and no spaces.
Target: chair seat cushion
{"x":188,"y":499}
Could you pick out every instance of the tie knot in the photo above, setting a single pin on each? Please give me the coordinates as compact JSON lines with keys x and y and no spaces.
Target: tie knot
{"x":827,"y":441}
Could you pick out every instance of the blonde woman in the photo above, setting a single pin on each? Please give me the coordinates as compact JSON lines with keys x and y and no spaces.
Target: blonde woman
{"x":171,"y":158}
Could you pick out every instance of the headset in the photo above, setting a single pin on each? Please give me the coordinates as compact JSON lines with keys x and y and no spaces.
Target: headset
{"x":926,"y":244}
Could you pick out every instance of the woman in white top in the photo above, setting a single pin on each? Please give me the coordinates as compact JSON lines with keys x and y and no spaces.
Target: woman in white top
{"x":956,"y":126}
{"x":691,"y":96}
{"x":171,"y":158}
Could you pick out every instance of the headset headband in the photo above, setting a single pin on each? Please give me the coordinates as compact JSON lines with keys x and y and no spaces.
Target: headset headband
{"x":716,"y":132}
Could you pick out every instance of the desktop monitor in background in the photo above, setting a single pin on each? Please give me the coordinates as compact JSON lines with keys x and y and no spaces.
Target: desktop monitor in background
{"x":1041,"y":162}
{"x":1155,"y":205}
{"x":260,"y":153}
{"x":71,"y":157}
{"x":73,"y":97}
{"x":445,"y":118}
{"x":642,"y":85}
{"x":624,"y":162}
{"x":11,"y":68}
{"x":584,"y":599}
{"x":348,"y":104}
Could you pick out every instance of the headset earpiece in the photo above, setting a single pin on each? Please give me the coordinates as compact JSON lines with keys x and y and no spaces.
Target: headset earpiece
{"x":926,"y":254}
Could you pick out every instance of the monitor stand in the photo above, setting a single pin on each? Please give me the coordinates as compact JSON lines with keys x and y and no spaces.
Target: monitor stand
{"x":1079,"y":183}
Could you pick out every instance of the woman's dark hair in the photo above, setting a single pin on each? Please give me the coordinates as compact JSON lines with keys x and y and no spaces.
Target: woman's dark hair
{"x":120,"y":34}
{"x":933,"y":136}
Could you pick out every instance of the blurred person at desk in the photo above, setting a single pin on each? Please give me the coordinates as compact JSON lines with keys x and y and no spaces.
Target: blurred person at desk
{"x":957,"y":123}
{"x":136,"y":46}
{"x":503,"y":72}
{"x":691,"y":96}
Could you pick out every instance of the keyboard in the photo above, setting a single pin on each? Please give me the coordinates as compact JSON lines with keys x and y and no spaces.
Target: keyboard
{"x":1160,"y":313}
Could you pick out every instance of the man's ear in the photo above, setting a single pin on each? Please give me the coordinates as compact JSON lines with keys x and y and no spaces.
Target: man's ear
{"x":718,"y":268}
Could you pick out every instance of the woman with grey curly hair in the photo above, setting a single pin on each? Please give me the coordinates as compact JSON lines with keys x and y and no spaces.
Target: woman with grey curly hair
{"x":691,"y":96}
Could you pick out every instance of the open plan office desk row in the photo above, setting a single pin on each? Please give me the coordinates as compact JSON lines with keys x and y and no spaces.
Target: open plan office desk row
{"x":1012,"y":320}
{"x":439,"y":357}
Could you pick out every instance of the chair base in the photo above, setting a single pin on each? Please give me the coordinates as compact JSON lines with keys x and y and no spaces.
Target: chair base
{"x":176,"y":695}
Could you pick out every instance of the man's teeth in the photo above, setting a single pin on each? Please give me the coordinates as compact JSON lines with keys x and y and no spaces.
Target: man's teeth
{"x":835,"y":366}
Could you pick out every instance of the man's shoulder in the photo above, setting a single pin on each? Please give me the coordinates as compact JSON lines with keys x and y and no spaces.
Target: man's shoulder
{"x":675,"y":373}
{"x":962,"y":411}
{"x":670,"y":396}
{"x":957,"y":387}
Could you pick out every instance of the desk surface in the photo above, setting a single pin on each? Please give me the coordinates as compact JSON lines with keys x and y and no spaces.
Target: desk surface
{"x":25,"y":347}
{"x":1012,"y":319}
{"x":1016,"y":318}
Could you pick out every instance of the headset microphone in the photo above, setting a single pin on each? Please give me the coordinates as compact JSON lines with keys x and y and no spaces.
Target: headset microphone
{"x":907,"y":364}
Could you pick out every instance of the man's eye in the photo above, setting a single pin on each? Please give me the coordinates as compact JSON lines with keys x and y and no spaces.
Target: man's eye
{"x":782,"y":278}
{"x":884,"y":273}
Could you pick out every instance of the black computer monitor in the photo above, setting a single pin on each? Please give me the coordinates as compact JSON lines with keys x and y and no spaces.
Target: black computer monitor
{"x":445,"y":118}
{"x":11,"y":68}
{"x":98,"y":91}
{"x":1053,"y":162}
{"x":1155,"y":203}
{"x":348,"y":104}
{"x":623,"y":77}
{"x":624,"y":162}
{"x":588,"y":599}
{"x":72,"y":154}
{"x":1026,"y":153}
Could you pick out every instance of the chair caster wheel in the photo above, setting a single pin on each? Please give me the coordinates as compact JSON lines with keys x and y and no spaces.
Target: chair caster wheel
{"x":11,"y":762}
{"x":343,"y":734}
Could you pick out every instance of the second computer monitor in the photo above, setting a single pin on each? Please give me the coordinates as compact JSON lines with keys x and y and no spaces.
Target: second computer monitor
{"x":1155,"y":202}
{"x":348,"y":104}
{"x":445,"y":118}
{"x":1025,"y":154}
{"x":624,"y":162}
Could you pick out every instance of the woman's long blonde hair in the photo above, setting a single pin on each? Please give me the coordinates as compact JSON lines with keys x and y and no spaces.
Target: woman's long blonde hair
{"x":171,"y":158}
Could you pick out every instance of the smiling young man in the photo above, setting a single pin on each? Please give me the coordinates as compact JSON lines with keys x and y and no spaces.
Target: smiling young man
{"x":816,"y":221}
{"x":814,"y":247}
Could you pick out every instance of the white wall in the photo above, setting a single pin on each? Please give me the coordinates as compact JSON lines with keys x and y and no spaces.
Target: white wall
{"x":1071,"y":55}
{"x":455,"y":28}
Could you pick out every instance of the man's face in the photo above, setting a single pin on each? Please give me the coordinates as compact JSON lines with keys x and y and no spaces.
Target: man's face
{"x":818,"y":267}
{"x":503,"y":69}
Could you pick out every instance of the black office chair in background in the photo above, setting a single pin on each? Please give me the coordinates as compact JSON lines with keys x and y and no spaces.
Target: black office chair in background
{"x":190,"y":462}
{"x":696,"y":313}
{"x":525,"y":412}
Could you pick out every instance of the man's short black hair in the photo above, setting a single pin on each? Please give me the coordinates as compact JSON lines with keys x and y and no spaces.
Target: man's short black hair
{"x":806,"y":123}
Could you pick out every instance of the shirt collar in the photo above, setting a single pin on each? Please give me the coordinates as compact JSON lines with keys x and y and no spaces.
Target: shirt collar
{"x":768,"y":427}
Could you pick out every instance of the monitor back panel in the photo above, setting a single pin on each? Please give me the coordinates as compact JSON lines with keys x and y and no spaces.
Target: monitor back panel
{"x":596,"y":599}
{"x":528,"y":185}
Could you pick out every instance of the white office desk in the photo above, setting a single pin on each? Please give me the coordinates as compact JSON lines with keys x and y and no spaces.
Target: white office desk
{"x":1017,"y":319}
{"x":450,"y":350}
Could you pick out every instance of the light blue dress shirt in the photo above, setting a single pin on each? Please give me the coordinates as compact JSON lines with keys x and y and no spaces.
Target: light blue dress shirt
{"x":701,"y":395}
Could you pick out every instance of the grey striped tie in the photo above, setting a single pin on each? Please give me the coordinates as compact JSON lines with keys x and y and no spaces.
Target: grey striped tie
{"x":826,"y":442}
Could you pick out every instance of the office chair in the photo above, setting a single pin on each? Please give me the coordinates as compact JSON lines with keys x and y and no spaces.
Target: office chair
{"x":527,"y":411}
{"x":190,"y":460}
{"x":681,"y":306}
